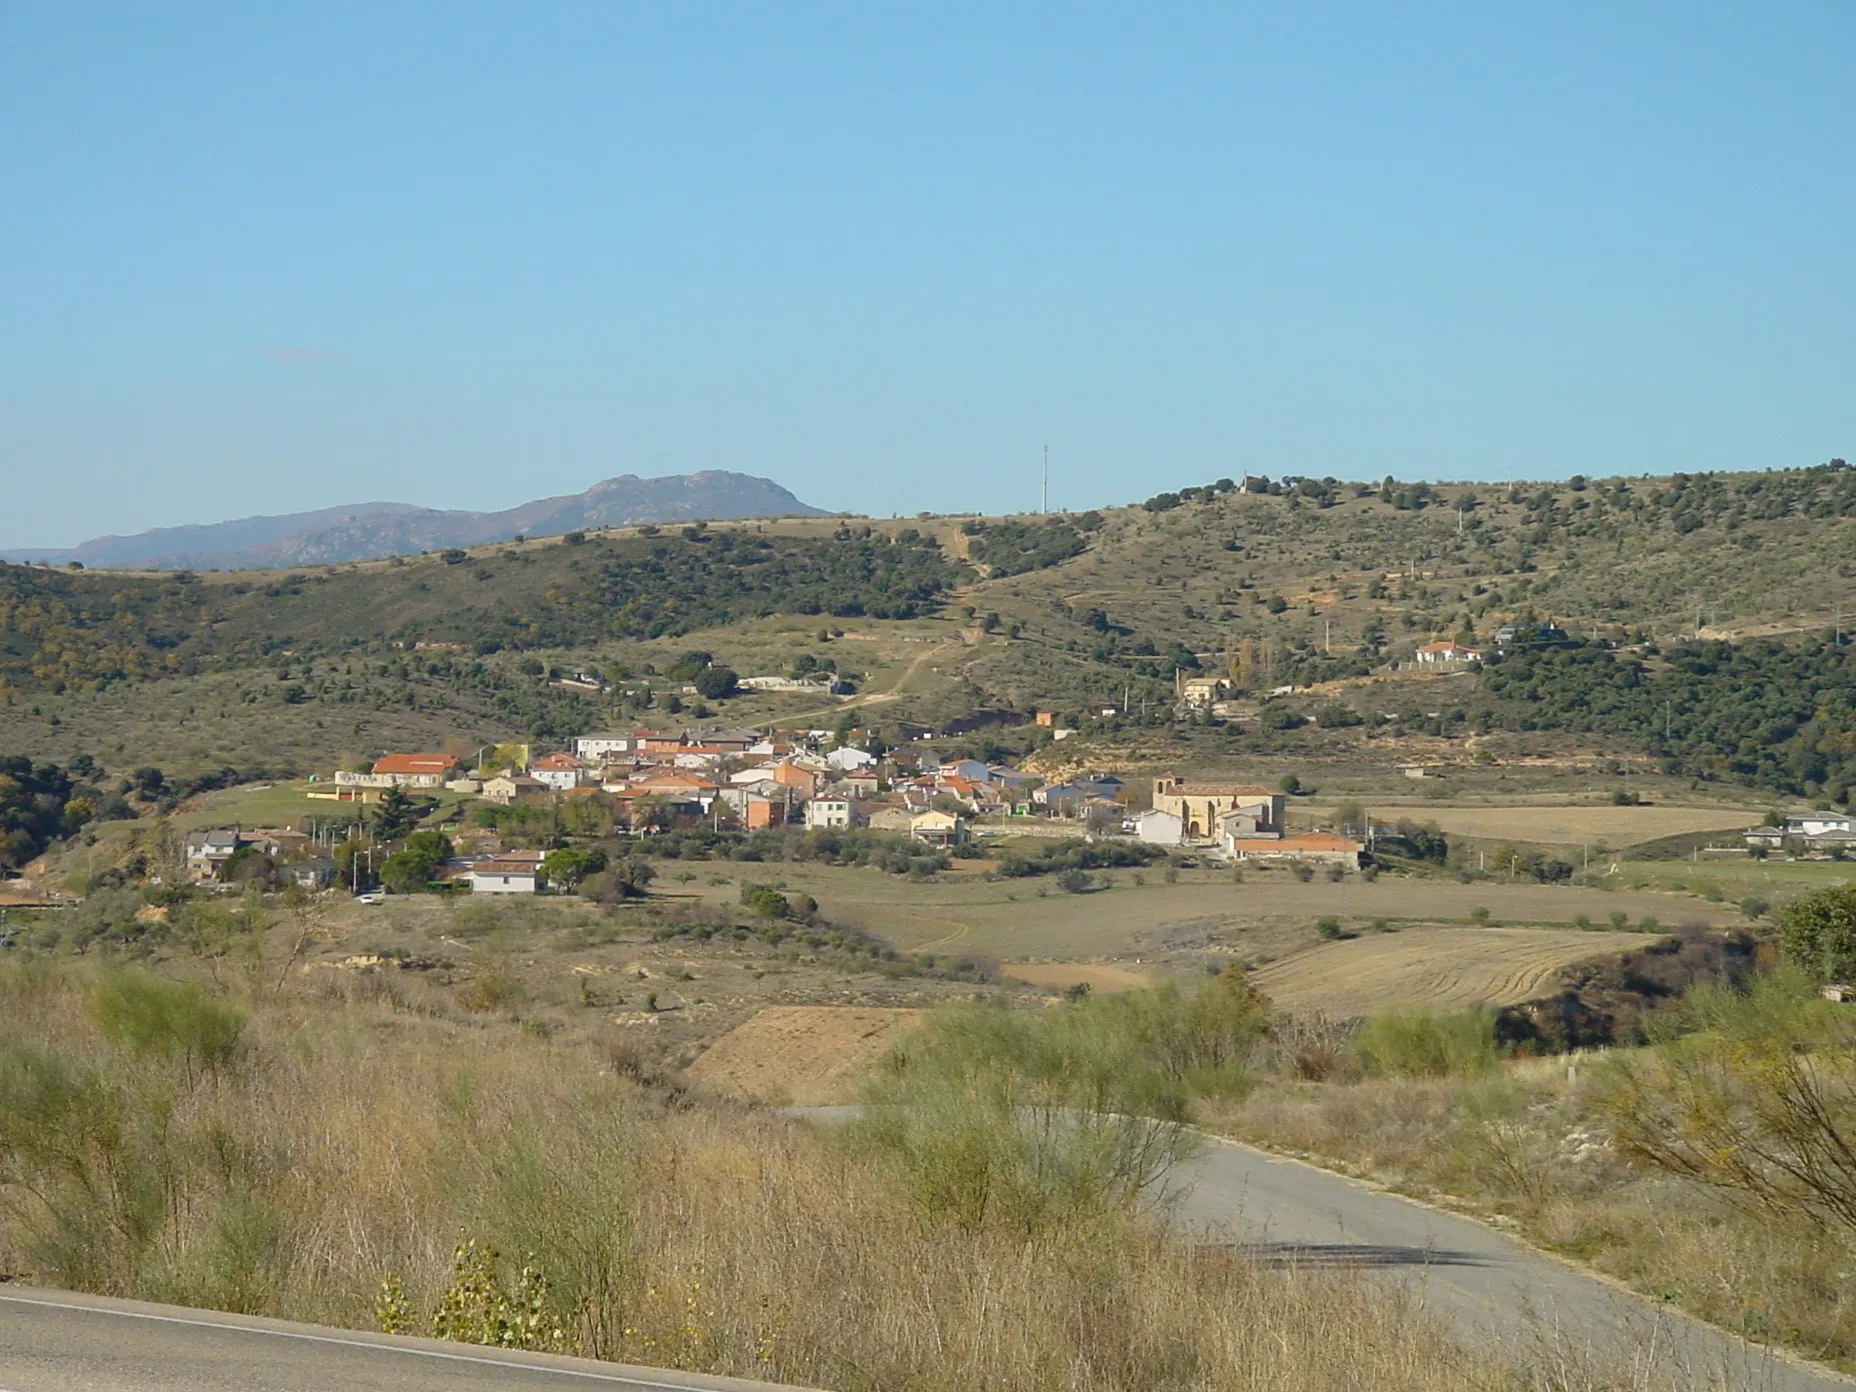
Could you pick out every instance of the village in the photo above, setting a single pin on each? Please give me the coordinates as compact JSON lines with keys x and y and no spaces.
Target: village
{"x":643,"y":783}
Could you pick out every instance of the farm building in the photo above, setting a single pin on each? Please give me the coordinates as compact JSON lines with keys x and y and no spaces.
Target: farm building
{"x":1319,"y":847}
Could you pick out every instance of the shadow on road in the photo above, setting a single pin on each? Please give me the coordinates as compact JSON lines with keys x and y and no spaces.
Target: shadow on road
{"x":1360,"y":1254}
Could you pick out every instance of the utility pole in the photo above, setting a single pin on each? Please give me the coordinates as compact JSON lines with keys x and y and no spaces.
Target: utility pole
{"x":1328,"y":640}
{"x":1044,"y":505}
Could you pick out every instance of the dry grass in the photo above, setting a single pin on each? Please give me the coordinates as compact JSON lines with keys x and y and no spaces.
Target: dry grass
{"x":353,"y":1138}
{"x":1061,"y":975}
{"x":1458,"y":967}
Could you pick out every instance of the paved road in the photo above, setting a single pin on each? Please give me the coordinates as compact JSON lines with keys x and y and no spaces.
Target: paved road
{"x":1287,"y":1213}
{"x":52,"y":1341}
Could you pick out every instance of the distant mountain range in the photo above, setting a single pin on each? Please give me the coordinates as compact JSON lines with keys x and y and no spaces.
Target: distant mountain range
{"x":368,"y":530}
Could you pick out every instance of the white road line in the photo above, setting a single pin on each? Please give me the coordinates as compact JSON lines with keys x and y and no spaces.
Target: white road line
{"x":355,"y":1343}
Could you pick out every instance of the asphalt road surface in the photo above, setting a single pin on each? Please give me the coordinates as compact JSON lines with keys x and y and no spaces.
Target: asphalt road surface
{"x":1285,"y":1212}
{"x":53,"y":1341}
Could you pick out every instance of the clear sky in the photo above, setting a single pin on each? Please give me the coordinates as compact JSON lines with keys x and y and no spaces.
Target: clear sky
{"x":267,"y":257}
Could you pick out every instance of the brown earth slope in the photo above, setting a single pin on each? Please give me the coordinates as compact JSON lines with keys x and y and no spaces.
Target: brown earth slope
{"x":801,"y":1055}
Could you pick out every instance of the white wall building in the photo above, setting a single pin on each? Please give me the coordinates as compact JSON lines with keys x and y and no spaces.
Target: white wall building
{"x":1160,"y":828}
{"x":598,"y":749}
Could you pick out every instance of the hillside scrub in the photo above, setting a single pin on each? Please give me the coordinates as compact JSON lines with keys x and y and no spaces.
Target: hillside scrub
{"x":1424,"y":1043}
{"x":1761,"y":712}
{"x":354,"y":1164}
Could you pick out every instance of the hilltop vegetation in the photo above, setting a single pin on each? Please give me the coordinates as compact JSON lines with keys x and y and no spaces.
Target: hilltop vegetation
{"x":1772,"y":715}
{"x":84,"y":630}
{"x":1280,"y":582}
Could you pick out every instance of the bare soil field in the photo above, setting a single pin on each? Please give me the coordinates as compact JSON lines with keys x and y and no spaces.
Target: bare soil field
{"x":800,"y":1055}
{"x":1060,"y":976}
{"x":1571,"y":825}
{"x":1453,"y":967}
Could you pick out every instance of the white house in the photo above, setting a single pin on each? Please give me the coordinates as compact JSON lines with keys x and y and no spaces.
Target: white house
{"x":1160,"y":828}
{"x":831,"y":813}
{"x":208,"y":850}
{"x":502,"y":879}
{"x":849,"y":760}
{"x":599,"y":749}
{"x":558,"y":771}
{"x":1447,"y":652}
{"x":1817,"y":823}
{"x":514,"y":872}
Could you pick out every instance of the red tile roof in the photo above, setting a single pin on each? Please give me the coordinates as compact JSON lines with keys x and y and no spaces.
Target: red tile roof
{"x":415,"y":763}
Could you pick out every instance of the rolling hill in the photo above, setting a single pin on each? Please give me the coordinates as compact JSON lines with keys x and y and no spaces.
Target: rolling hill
{"x":1299,"y":582}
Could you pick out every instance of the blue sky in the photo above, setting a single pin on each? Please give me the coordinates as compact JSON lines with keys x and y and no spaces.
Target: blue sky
{"x":260,"y":258}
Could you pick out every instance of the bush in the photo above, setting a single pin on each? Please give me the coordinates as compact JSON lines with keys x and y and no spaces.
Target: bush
{"x":1074,"y":881}
{"x":1043,"y":1122}
{"x":1329,"y":928}
{"x":1819,"y":933}
{"x":172,"y":1020}
{"x":1302,"y":871}
{"x":1422,"y":1044}
{"x":765,"y":901}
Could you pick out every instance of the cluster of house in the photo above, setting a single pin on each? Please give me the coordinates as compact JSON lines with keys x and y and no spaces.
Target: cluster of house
{"x":297,"y":856}
{"x":754,"y":781}
{"x":1813,"y":831}
{"x":1243,"y":821}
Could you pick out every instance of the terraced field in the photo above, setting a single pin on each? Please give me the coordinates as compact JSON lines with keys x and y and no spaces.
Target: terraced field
{"x":1451,"y":967}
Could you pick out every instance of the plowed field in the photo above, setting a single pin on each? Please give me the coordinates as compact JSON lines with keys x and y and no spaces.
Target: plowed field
{"x":801,"y":1055}
{"x":1574,"y":826}
{"x":1451,"y":967}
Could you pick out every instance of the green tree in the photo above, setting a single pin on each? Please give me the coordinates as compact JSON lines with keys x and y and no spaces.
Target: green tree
{"x":434,"y":846}
{"x":717,"y":683}
{"x":629,"y":877}
{"x":566,"y":868}
{"x":407,"y":872}
{"x":394,"y":815}
{"x":1819,"y":933}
